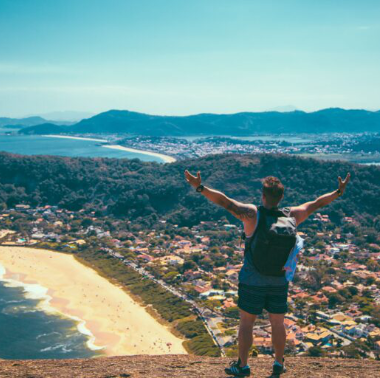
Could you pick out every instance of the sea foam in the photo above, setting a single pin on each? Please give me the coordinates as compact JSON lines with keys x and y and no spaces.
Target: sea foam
{"x":40,"y":293}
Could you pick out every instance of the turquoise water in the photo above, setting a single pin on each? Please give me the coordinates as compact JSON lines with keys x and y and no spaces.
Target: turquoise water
{"x":29,"y":333}
{"x":40,"y":145}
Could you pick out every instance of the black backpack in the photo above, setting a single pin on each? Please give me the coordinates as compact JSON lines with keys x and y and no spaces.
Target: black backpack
{"x":272,"y":241}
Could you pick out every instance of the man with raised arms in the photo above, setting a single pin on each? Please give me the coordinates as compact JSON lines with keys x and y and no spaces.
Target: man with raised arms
{"x":270,"y":252}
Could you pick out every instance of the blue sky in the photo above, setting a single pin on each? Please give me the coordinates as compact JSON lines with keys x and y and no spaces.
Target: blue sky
{"x":185,"y":57}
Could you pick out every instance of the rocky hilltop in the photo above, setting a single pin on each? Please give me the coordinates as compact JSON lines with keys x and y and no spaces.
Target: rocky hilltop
{"x":183,"y":366}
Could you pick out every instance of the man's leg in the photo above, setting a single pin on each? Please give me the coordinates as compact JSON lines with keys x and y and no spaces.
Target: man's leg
{"x":278,"y":335}
{"x":245,"y":336}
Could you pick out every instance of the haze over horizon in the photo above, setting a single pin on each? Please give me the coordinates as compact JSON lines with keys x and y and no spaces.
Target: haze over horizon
{"x":176,"y":58}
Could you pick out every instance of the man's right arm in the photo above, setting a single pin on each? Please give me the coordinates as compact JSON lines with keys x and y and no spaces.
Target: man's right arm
{"x":245,"y":212}
{"x":302,"y":212}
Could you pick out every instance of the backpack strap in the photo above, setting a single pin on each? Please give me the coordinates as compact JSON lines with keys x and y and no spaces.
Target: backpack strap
{"x":286,"y":211}
{"x":260,"y":215}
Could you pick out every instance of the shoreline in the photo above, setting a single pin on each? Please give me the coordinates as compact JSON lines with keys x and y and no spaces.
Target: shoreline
{"x":165,"y":158}
{"x":33,"y":290}
{"x":77,"y":138}
{"x":106,"y":314}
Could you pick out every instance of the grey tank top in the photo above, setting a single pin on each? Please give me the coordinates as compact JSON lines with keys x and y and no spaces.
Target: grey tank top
{"x":249,"y":275}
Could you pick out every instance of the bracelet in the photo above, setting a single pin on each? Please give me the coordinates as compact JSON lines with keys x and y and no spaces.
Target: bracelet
{"x":339,"y":192}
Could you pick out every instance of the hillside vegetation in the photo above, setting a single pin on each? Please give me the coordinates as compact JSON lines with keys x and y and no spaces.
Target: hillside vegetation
{"x":146,"y":192}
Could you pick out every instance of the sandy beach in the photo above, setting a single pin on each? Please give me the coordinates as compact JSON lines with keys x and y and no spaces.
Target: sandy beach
{"x":116,"y":322}
{"x":77,"y":138}
{"x":165,"y":158}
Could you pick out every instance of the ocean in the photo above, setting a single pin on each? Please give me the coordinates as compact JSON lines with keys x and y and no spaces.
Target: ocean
{"x":42,"y":145}
{"x":30,"y":330}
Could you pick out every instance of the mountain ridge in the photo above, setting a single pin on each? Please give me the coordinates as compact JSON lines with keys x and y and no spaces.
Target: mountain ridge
{"x":239,"y":124}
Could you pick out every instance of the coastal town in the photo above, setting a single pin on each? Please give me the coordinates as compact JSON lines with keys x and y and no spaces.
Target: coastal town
{"x":334,"y":298}
{"x":360,"y":148}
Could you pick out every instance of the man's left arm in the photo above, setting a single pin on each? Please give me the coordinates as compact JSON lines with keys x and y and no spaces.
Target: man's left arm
{"x":302,"y":212}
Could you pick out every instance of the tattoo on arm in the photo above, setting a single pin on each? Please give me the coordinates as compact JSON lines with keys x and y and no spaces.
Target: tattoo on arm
{"x":241,"y":211}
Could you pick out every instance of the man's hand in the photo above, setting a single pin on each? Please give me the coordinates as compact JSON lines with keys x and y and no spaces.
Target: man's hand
{"x":194,"y":181}
{"x":343,"y":183}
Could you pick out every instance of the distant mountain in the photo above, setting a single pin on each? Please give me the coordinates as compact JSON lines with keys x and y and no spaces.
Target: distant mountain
{"x":28,"y":121}
{"x":67,"y":116}
{"x":322,"y":121}
{"x":44,"y":128}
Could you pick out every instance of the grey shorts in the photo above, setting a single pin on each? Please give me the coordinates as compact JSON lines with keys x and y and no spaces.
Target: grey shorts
{"x":253,"y":299}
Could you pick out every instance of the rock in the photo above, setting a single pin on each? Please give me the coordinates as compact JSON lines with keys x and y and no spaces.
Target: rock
{"x":184,"y":366}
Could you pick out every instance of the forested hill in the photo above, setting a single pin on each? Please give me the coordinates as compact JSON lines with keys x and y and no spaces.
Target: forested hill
{"x":122,"y":121}
{"x":148,"y":191}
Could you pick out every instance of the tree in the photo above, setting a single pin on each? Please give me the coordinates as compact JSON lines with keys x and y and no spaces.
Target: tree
{"x":216,"y":283}
{"x":357,"y":349}
{"x":189,"y":265}
{"x":353,"y":290}
{"x":86,"y":222}
{"x":170,"y":277}
{"x":335,"y":299}
{"x":315,"y":351}
{"x":232,"y":312}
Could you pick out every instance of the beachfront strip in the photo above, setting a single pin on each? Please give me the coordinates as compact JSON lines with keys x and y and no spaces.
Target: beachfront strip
{"x":334,"y":300}
{"x":105,"y":143}
{"x":116,"y":324}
